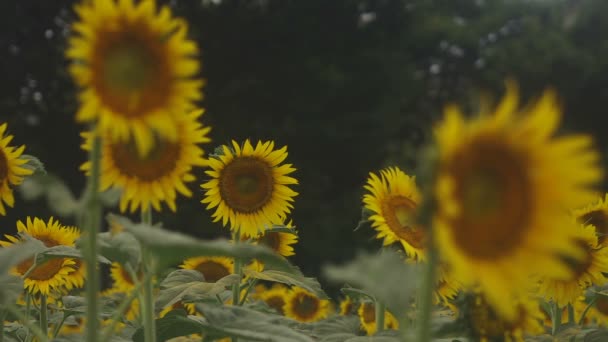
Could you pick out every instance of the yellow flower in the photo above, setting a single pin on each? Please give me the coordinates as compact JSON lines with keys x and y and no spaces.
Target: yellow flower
{"x":346,"y":306}
{"x":599,"y":310}
{"x":135,"y":67}
{"x":278,"y":241}
{"x":275,"y":297}
{"x":585,"y":271}
{"x":190,"y":308}
{"x":447,"y":287}
{"x":367,"y":317}
{"x":122,"y":279}
{"x":393,"y":199}
{"x":161,"y":174}
{"x":596,"y":214}
{"x":55,"y":274}
{"x":11,"y":169}
{"x":304,"y":306}
{"x":249,"y":188}
{"x":212,"y":268}
{"x":503,"y":185}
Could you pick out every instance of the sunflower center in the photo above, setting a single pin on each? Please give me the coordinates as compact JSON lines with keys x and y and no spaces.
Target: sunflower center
{"x":212,"y":271}
{"x":492,"y":188}
{"x":46,"y":270}
{"x":306,"y":306}
{"x":277,"y":303}
{"x":3,"y":166}
{"x":271,"y":240}
{"x":158,"y":163}
{"x":130,"y":69}
{"x":247,"y":184}
{"x":597,"y":218}
{"x":369,"y":313}
{"x":579,"y":266}
{"x":399,"y":216}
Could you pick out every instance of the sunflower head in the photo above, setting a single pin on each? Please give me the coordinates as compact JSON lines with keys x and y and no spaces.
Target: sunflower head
{"x":135,"y":68}
{"x":275,"y":297}
{"x":249,"y":187}
{"x":596,"y":214}
{"x":55,"y":275}
{"x":367,"y":317}
{"x":347,"y":306}
{"x":304,"y":306}
{"x":212,"y":268}
{"x":12,"y":171}
{"x":393,"y":198}
{"x":502,"y":183}
{"x":122,"y":278}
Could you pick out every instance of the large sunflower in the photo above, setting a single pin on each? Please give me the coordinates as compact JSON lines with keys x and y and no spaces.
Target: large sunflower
{"x":304,"y":306}
{"x":135,"y":68}
{"x":393,"y":198}
{"x":161,"y":174}
{"x":585,"y":272}
{"x":212,"y":268}
{"x":503,"y":185}
{"x":249,"y":188}
{"x":11,"y":169}
{"x":596,"y":214}
{"x":367,"y":318}
{"x":55,"y":274}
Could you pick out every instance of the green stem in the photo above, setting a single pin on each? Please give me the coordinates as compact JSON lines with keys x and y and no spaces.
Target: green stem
{"x":379,"y":316}
{"x":252,"y":283}
{"x":591,"y":302}
{"x":148,"y":302}
{"x":92,"y":221}
{"x":426,"y":294}
{"x":33,"y":328}
{"x":58,"y":326}
{"x":2,"y":317}
{"x":122,"y":308}
{"x":556,"y":318}
{"x":571,"y":319}
{"x":236,"y":288}
{"x":44,"y":323}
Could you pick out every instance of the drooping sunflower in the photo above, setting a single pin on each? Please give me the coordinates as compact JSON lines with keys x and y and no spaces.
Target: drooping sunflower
{"x":54,"y":275}
{"x":161,"y":174}
{"x":304,"y":306}
{"x":275,"y":297}
{"x":136,"y":69}
{"x":212,"y":268}
{"x":249,"y":187}
{"x":503,"y":185}
{"x":11,"y":169}
{"x":347,"y":306}
{"x":586,"y":271}
{"x":367,"y":317}
{"x":596,"y":214}
{"x":393,"y":197}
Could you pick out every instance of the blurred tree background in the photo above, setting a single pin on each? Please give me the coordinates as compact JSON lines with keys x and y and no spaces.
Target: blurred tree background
{"x":350,"y":86}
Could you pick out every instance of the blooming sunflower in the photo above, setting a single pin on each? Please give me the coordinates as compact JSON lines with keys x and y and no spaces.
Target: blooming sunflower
{"x":212,"y":268}
{"x":596,"y":214}
{"x":304,"y":306}
{"x":502,"y":185}
{"x":11,"y":169}
{"x":55,"y":274}
{"x":393,"y":198}
{"x":279,"y":242}
{"x":346,"y":306}
{"x":275,"y":297}
{"x":367,"y":317}
{"x":136,"y":69}
{"x":122,"y":279}
{"x":586,"y":271}
{"x":249,"y":188}
{"x":157,"y":177}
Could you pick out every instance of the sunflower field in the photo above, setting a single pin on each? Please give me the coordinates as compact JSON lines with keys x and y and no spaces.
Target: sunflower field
{"x":488,"y":216}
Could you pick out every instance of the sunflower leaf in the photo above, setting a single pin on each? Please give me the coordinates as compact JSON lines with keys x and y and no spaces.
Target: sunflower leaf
{"x":190,"y":285}
{"x":15,"y":254}
{"x":295,"y":278}
{"x":281,"y":229}
{"x":58,"y":196}
{"x":33,"y":163}
{"x":120,"y":247}
{"x":63,"y":252}
{"x":171,"y":247}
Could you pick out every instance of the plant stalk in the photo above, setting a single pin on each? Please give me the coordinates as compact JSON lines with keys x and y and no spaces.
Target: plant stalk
{"x":571,"y":319}
{"x":379,"y":316}
{"x":148,"y":300}
{"x":591,"y":302}
{"x":44,"y":322}
{"x":556,"y":318}
{"x":426,"y":294}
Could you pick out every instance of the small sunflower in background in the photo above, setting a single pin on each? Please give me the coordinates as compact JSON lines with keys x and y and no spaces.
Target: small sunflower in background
{"x":367,"y":317}
{"x":55,"y":274}
{"x":12,"y":171}
{"x":212,"y":268}
{"x":158,"y":177}
{"x":280,"y":242}
{"x":596,"y":214}
{"x":275,"y":297}
{"x":347,"y":306}
{"x":249,"y":187}
{"x":122,"y":278}
{"x":136,"y":69}
{"x":393,"y":198}
{"x":585,"y":272}
{"x":503,"y":185}
{"x":447,"y":287}
{"x":304,"y":306}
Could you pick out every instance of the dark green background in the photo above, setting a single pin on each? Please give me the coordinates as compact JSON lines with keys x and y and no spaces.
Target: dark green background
{"x":350,"y":86}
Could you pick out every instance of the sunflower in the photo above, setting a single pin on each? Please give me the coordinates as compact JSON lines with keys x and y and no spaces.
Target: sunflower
{"x":136,"y":69}
{"x":502,"y":187}
{"x":212,"y":268}
{"x":279,"y":242}
{"x":596,"y":214}
{"x":598,"y":311}
{"x":148,"y":181}
{"x":447,"y":287}
{"x":11,"y":169}
{"x":249,"y":188}
{"x":121,"y":278}
{"x":393,"y":198}
{"x":117,"y":295}
{"x":367,"y":317}
{"x":56,"y":274}
{"x":275,"y":297}
{"x":190,"y":308}
{"x":584,"y":272}
{"x":346,"y":306}
{"x":304,"y":306}
{"x":485,"y":324}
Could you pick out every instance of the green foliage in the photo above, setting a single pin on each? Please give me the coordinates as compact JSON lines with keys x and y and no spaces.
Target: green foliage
{"x":120,"y":247}
{"x":294,"y":277}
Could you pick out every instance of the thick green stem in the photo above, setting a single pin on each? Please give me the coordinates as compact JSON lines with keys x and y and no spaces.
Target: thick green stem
{"x":571,"y":319}
{"x":44,"y":322}
{"x":556,"y":318}
{"x":148,"y":302}
{"x":379,"y":316}
{"x":426,"y":295}
{"x":92,"y":221}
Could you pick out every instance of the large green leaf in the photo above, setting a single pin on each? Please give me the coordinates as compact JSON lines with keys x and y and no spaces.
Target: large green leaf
{"x":120,"y":247}
{"x":173,"y":324}
{"x":13,"y":255}
{"x":294,"y":277}
{"x":171,"y":248}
